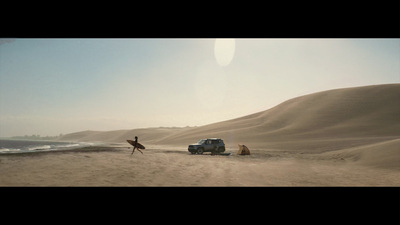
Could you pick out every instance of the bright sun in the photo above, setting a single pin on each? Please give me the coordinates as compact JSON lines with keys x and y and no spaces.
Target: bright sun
{"x":224,"y":50}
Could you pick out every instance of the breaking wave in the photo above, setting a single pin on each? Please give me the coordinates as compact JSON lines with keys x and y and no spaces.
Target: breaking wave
{"x":20,"y":146}
{"x":40,"y":148}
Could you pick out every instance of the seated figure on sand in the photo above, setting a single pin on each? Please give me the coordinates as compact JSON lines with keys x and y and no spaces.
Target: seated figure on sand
{"x":243,"y":150}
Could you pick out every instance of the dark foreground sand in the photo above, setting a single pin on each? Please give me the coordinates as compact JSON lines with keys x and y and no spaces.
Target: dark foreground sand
{"x":173,"y":166}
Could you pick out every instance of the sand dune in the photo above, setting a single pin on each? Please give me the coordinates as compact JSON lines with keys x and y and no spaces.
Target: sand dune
{"x":358,"y":121}
{"x":384,"y":154}
{"x":150,"y":135}
{"x":360,"y":112}
{"x":356,"y":116}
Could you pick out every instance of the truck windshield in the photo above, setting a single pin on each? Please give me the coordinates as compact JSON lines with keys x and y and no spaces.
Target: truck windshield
{"x":201,"y":141}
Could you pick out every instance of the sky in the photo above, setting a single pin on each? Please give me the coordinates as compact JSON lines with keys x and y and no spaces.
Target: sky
{"x":54,"y":86}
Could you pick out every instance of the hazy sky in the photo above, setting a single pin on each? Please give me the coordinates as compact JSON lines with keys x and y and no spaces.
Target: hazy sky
{"x":53,"y":86}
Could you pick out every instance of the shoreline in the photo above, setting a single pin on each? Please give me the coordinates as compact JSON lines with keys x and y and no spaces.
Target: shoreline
{"x":62,"y":151}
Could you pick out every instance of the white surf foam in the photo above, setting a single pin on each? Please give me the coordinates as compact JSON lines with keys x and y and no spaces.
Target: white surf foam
{"x":43,"y":147}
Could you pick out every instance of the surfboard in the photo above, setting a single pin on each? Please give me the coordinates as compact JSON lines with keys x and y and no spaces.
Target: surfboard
{"x":225,"y":153}
{"x":138,"y":145}
{"x":222,"y":153}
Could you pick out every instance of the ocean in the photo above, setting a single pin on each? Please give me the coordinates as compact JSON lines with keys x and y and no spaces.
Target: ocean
{"x":8,"y":146}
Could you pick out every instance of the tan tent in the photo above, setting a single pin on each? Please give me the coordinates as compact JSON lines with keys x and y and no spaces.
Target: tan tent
{"x":243,"y":150}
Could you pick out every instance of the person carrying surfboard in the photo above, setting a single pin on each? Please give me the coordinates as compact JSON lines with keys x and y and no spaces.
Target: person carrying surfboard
{"x":135,"y":145}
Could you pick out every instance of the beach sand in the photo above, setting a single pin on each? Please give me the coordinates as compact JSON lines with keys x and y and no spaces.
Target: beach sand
{"x":114,"y":166}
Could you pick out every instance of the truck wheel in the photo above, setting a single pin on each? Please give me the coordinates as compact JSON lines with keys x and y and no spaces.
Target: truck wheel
{"x":200,"y":151}
{"x":221,"y":149}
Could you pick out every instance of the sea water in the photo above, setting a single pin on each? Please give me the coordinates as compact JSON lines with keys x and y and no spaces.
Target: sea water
{"x":20,"y":146}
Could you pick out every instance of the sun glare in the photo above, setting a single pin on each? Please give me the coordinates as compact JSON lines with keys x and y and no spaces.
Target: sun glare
{"x":224,"y":50}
